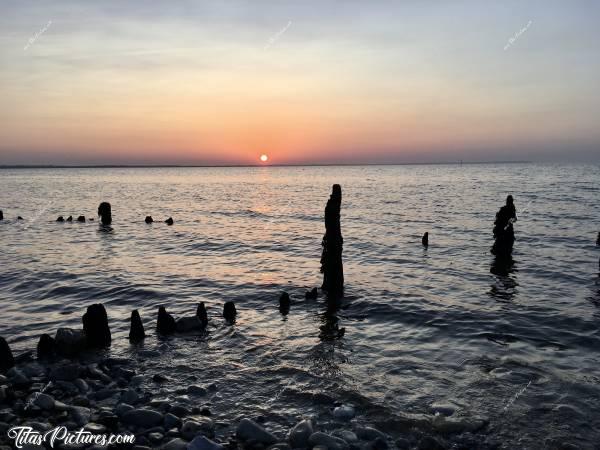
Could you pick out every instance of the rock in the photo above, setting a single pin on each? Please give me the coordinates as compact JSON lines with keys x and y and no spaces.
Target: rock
{"x":284,"y":303}
{"x":172,"y":421}
{"x":81,"y":385}
{"x":189,"y":324}
{"x":425,"y":239}
{"x":70,"y":219}
{"x":229,"y":311}
{"x":60,"y":219}
{"x":46,"y":347}
{"x":81,"y":415}
{"x":65,"y":372}
{"x":123,"y":408}
{"x":69,"y":342}
{"x":17,"y":377}
{"x":346,"y":435}
{"x":165,"y":324}
{"x":81,"y":219}
{"x":95,"y":326}
{"x":95,"y":428}
{"x":331,"y":442}
{"x":312,"y":294}
{"x":247,"y":430}
{"x":1,"y":215}
{"x":196,"y":390}
{"x":430,"y":443}
{"x":203,"y":443}
{"x":155,"y":437}
{"x":6,"y":357}
{"x":143,"y":417}
{"x":148,"y":219}
{"x":191,"y":428}
{"x":136,"y":332}
{"x":300,"y":434}
{"x":179,"y":410}
{"x":369,"y":434}
{"x":280,"y":446}
{"x":44,"y":401}
{"x":169,"y":221}
{"x":20,"y":218}
{"x":201,"y":314}
{"x":445,"y":409}
{"x":105,"y":213}
{"x":176,"y":444}
{"x":130,"y":397}
{"x":344,"y":413}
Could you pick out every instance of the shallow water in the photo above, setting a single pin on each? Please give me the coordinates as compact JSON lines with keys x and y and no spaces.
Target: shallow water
{"x":422,"y":326}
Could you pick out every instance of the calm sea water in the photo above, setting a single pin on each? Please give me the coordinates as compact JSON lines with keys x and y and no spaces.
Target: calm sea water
{"x":521,"y":350}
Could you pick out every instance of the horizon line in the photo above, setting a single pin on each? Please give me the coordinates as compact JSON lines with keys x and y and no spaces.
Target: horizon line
{"x":149,"y":166}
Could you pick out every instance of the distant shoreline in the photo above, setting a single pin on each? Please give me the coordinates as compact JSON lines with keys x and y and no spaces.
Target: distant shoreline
{"x":161,"y":166}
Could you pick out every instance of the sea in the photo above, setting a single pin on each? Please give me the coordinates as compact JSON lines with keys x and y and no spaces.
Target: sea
{"x":512,"y":350}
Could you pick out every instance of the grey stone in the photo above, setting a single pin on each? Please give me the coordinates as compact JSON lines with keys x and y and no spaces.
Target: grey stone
{"x":191,"y":428}
{"x":176,"y":444}
{"x":346,"y":435}
{"x":81,"y":385}
{"x":95,"y":428}
{"x":247,"y":430}
{"x":17,"y":377}
{"x":65,"y":372}
{"x":81,"y":415}
{"x":344,"y":413}
{"x":331,"y":442}
{"x":172,"y":421}
{"x":155,"y":437}
{"x":130,"y":396}
{"x":123,"y":408}
{"x":143,"y":417}
{"x":369,"y":434}
{"x":196,"y":390}
{"x":300,"y":434}
{"x":203,"y":443}
{"x":44,"y":401}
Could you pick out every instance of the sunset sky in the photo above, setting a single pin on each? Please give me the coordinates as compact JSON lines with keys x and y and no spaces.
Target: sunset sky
{"x":222,"y":82}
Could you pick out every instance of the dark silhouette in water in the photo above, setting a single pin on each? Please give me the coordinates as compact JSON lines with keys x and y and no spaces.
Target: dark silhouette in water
{"x":60,"y":219}
{"x":284,"y":303}
{"x":1,"y":215}
{"x":331,"y":258}
{"x":425,"y":239}
{"x":169,"y":221}
{"x":229,"y":312}
{"x":105,"y":213}
{"x":81,"y":219}
{"x":597,"y":239}
{"x":20,"y":218}
{"x":136,"y":331}
{"x":148,"y":219}
{"x":46,"y":347}
{"x":165,"y":324}
{"x":6,"y":357}
{"x":504,"y":233}
{"x":70,"y":219}
{"x":95,"y":326}
{"x":313,"y":294}
{"x":201,"y":314}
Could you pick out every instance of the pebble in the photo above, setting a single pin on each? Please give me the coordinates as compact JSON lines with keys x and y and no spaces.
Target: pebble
{"x":179,"y":410}
{"x":172,"y":421}
{"x":445,"y":409}
{"x":331,"y":442}
{"x":95,"y":428}
{"x":248,"y":430}
{"x":346,"y":435}
{"x":81,"y":415}
{"x":65,"y":372}
{"x":143,"y":417}
{"x":203,"y":443}
{"x":176,"y":444}
{"x":17,"y":377}
{"x":344,"y":413}
{"x":155,"y":437}
{"x":123,"y":408}
{"x":81,"y":385}
{"x":369,"y":434}
{"x":44,"y":401}
{"x":196,"y":390}
{"x":130,"y":396}
{"x":300,"y":434}
{"x":191,"y":428}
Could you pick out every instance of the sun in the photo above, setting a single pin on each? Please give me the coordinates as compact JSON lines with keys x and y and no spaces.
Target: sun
{"x":264,"y":158}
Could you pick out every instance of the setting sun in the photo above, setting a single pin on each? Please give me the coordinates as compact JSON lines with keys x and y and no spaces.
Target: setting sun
{"x":264,"y":158}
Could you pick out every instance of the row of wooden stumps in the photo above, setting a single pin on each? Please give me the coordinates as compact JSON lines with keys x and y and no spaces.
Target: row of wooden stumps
{"x":96,"y":332}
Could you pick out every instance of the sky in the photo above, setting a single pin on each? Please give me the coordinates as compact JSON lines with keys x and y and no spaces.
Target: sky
{"x":304,"y":82}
